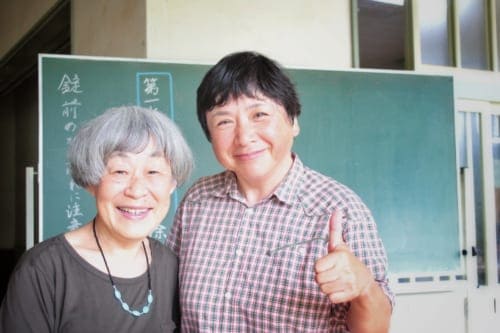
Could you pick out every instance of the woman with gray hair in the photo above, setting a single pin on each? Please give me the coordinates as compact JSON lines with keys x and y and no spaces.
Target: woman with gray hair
{"x":108,"y":275}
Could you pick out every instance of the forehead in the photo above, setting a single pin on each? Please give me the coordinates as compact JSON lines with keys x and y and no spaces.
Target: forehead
{"x":247,"y":102}
{"x":151,"y":149}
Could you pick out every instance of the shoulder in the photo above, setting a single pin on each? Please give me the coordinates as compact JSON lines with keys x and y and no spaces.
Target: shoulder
{"x":164,"y":262}
{"x":316,"y":182}
{"x":321,"y":194}
{"x":162,"y":253}
{"x":205,"y":187}
{"x":45,"y":252}
{"x":30,"y":299}
{"x":42,"y":262}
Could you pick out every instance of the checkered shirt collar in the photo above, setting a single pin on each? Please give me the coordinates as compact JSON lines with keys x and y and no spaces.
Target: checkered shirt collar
{"x":286,"y":192}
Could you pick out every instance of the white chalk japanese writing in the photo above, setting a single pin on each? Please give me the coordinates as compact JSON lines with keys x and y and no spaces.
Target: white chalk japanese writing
{"x":70,"y":88}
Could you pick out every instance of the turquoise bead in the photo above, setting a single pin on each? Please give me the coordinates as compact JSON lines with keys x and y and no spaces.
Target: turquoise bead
{"x":118,"y":294}
{"x":126,"y":307}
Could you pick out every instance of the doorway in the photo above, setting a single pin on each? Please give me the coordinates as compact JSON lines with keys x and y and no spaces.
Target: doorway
{"x":19,"y":128}
{"x":478,"y":135}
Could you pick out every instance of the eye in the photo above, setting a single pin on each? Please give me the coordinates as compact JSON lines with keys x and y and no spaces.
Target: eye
{"x":223,"y":122}
{"x":260,"y":115}
{"x":118,"y":174}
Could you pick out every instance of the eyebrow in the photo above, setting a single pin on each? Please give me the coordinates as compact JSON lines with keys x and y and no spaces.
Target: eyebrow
{"x":124,"y":154}
{"x":223,"y":112}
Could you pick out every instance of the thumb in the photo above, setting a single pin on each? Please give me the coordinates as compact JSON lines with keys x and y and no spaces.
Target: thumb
{"x":335,"y":230}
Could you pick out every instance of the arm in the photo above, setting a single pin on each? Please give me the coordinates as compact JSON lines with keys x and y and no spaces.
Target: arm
{"x":370,"y":311}
{"x":176,"y":310}
{"x":174,"y":237}
{"x":26,"y":306}
{"x":344,"y":278}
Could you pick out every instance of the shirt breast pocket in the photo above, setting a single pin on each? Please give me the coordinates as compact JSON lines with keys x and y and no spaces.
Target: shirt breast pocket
{"x":294,"y":288}
{"x":293,"y":263}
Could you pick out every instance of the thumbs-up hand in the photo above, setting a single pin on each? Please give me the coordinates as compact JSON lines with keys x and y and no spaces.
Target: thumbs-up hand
{"x":335,"y":231}
{"x":340,"y":274}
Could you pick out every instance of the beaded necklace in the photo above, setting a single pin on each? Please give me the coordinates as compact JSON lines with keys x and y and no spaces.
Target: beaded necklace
{"x":117,"y":293}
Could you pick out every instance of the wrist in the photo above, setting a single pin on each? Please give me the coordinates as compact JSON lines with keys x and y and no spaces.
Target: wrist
{"x":368,"y":294}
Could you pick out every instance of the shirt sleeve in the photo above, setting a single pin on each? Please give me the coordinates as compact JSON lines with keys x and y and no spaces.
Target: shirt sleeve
{"x":362,"y":237}
{"x":174,"y":237}
{"x":28,"y":302}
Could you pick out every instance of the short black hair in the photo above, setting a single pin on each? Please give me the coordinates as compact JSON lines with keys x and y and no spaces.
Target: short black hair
{"x":245,"y":73}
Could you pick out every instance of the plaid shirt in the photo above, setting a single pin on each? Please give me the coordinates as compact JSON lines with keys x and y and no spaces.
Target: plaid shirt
{"x":251,"y":269}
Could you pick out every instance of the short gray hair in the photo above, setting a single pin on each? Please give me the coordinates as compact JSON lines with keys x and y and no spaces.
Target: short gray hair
{"x":126,"y":129}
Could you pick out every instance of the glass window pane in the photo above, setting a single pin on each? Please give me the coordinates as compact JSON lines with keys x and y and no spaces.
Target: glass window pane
{"x":495,"y":126}
{"x":473,"y":34}
{"x":497,"y":9}
{"x":434,"y":32}
{"x":382,"y":31}
{"x":462,"y":140}
{"x":496,"y":170}
{"x":479,"y":203}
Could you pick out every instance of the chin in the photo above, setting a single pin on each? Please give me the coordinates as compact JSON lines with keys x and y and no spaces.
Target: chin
{"x":137,"y":229}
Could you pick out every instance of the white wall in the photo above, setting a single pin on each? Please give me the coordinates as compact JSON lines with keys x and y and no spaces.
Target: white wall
{"x":297,"y":33}
{"x":436,"y":312}
{"x":108,"y":28}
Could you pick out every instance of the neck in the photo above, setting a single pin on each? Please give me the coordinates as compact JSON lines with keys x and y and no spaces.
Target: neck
{"x":115,"y":244}
{"x":256,"y":189}
{"x":125,"y":259}
{"x":117,"y":293}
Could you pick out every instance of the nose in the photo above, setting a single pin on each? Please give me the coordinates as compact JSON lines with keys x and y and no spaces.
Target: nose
{"x":137,"y":187}
{"x":244,"y":132}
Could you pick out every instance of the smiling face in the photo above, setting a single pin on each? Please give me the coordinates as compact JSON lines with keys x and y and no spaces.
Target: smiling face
{"x":253,"y":137}
{"x":133,"y":195}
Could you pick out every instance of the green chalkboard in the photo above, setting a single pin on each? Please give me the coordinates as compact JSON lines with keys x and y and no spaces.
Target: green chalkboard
{"x":388,"y":136}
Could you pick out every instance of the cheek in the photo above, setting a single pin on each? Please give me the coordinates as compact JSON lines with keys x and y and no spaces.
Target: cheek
{"x":272,"y":135}
{"x":286,"y":132}
{"x":108,"y":190}
{"x":221,"y":143}
{"x":164,"y":206}
{"x":163,"y":191}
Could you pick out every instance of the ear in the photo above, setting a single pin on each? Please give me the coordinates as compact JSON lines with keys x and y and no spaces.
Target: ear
{"x":174,"y":185}
{"x":295,"y":127}
{"x":91,"y":189}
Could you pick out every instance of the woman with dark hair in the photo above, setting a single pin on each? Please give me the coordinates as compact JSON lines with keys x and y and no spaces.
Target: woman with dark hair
{"x":270,"y":245}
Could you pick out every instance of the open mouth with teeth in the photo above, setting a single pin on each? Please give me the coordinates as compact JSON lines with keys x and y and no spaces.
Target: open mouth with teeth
{"x":134,"y":212}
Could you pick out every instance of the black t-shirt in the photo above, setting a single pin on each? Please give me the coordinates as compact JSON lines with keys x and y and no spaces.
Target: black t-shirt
{"x":53,"y":289}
